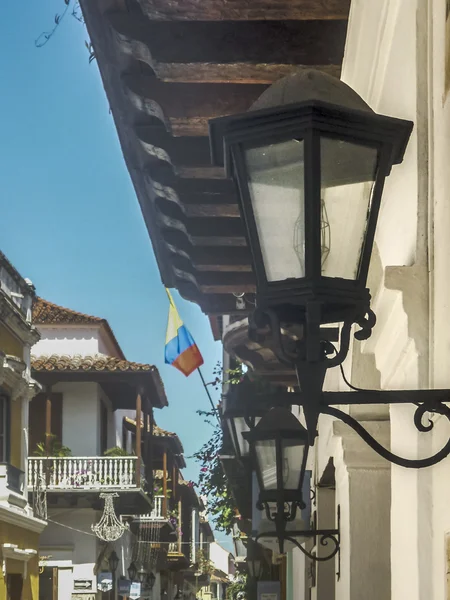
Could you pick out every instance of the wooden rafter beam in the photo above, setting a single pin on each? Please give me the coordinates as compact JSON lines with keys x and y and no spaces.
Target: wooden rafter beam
{"x":215,"y":259}
{"x":212,"y":10}
{"x":212,"y":210}
{"x":242,"y":73}
{"x":180,"y":100}
{"x":226,"y":42}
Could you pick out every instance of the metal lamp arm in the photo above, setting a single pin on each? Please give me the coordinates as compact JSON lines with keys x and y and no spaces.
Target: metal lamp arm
{"x":382,"y":451}
{"x":324,"y":537}
{"x":323,"y":542}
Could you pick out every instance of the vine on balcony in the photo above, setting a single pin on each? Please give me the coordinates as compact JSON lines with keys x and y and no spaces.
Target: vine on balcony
{"x":212,"y":482}
{"x":205,"y":565}
{"x":239,"y":589}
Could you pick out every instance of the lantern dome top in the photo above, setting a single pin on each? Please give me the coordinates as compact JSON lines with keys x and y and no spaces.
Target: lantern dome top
{"x":277,"y":419}
{"x":306,"y":85}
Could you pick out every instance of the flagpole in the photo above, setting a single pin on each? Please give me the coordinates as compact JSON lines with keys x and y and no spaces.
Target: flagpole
{"x":209,"y":395}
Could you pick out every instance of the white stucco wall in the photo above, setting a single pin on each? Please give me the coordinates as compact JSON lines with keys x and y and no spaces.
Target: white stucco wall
{"x":70,"y":340}
{"x":80,"y":416}
{"x":395,"y":57}
{"x":219,"y":556}
{"x":69,"y":548}
{"x":75,"y":552}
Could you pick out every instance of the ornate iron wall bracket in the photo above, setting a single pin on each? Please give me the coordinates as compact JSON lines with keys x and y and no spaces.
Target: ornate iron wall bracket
{"x":418,"y":422}
{"x":313,"y":354}
{"x":324,"y":537}
{"x":431,"y":401}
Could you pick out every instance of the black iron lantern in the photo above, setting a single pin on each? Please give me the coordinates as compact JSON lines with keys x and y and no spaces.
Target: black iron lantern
{"x":280,"y":450}
{"x":239,"y":422}
{"x":150,"y":581}
{"x":113,"y":562}
{"x":132,"y":571}
{"x":255,"y":568}
{"x":310,"y":159}
{"x":255,"y":561}
{"x":142,"y":574}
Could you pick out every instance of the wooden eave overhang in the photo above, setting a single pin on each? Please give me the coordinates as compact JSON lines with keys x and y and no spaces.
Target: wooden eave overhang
{"x":168,"y":66}
{"x":120,"y":386}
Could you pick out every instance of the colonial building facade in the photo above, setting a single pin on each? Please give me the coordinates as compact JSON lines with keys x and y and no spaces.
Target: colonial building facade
{"x":19,"y":527}
{"x":86,"y":449}
{"x":80,"y":451}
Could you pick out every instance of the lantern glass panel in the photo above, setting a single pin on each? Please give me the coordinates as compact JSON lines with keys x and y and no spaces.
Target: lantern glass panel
{"x":292,"y":452}
{"x":348,"y":173}
{"x":237,"y":426}
{"x":276,"y":185}
{"x":241,"y":427}
{"x":292,"y":457}
{"x":266,"y":456}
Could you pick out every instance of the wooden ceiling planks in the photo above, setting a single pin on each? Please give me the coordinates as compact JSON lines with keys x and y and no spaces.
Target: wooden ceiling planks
{"x":168,"y":67}
{"x":237,"y":10}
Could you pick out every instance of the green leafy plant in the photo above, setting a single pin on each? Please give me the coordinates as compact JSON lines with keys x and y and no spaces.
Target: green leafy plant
{"x":55,"y":448}
{"x":116,"y":451}
{"x":238,"y":589}
{"x":212,"y":482}
{"x":158,"y":488}
{"x":205,"y":565}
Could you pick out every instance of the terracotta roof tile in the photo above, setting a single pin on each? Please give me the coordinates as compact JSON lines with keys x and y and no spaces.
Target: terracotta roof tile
{"x":156,"y":430}
{"x":159,"y":432}
{"x":98,"y":362}
{"x":47,"y":313}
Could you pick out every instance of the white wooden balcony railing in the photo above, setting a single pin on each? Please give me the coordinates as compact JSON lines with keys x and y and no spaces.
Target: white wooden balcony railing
{"x":83,"y":472}
{"x":157,"y":513}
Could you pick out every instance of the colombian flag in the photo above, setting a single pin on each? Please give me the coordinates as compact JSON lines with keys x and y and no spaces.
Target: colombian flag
{"x":181,"y":351}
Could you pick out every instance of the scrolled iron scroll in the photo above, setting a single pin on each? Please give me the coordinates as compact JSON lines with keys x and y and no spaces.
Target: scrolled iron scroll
{"x":324,"y":539}
{"x":421,"y":463}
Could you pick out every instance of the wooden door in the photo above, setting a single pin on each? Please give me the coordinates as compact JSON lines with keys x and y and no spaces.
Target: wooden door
{"x":14,"y":584}
{"x":36,"y":420}
{"x":48,"y":584}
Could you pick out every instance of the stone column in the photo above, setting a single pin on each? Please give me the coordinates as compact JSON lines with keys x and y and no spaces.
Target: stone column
{"x":326,"y":519}
{"x":363,"y":491}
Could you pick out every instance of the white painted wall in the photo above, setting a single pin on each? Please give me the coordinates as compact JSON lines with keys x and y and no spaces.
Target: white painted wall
{"x":69,"y":548}
{"x":70,"y":340}
{"x":219,"y":557}
{"x":395,"y":56}
{"x":80,"y":416}
{"x":75,"y":552}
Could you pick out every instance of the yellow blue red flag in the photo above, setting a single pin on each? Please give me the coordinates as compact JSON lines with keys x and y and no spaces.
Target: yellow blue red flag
{"x":181,"y":351}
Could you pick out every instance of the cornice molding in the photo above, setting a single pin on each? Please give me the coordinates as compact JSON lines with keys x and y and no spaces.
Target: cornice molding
{"x":16,"y":321}
{"x":14,"y":376}
{"x":21,"y":519}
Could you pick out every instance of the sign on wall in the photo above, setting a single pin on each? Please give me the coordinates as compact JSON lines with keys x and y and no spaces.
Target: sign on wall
{"x":135,"y":590}
{"x":82,"y":584}
{"x":104,"y":582}
{"x":124,"y":587}
{"x":268,"y":590}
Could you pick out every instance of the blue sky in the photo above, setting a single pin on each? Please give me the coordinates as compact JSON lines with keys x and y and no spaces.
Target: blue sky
{"x":71,"y":221}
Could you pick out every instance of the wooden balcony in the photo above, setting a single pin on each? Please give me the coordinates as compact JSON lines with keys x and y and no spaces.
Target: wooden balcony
{"x":84,"y":477}
{"x":157,"y":514}
{"x":178,"y":556}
